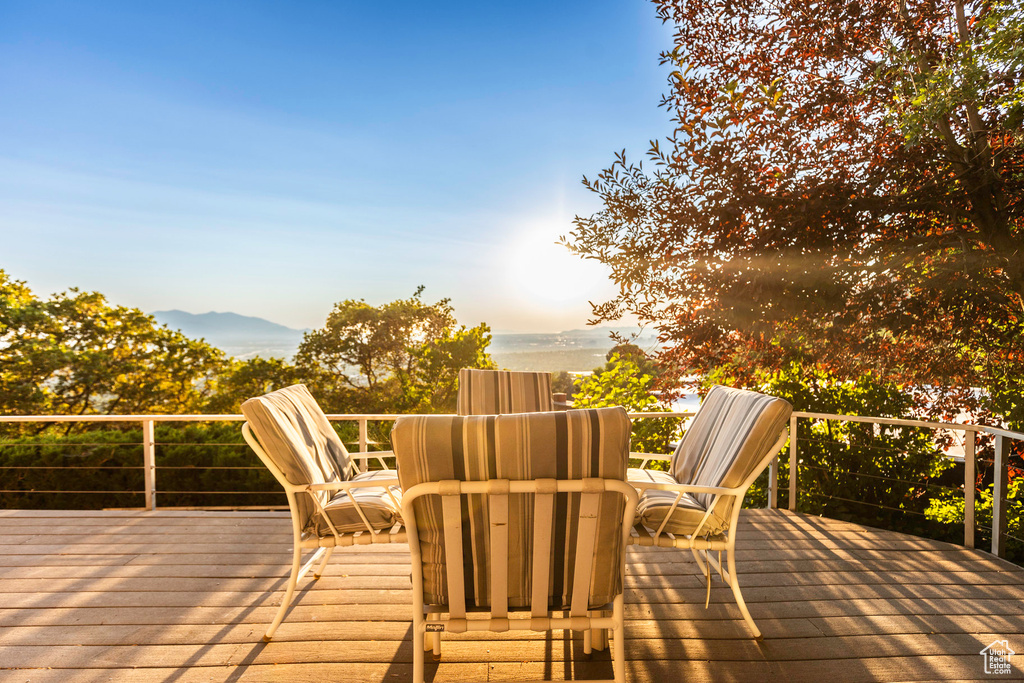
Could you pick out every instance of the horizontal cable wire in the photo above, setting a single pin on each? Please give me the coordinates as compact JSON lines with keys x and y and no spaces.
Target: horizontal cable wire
{"x":877,"y":505}
{"x":848,"y":446}
{"x":73,"y":467}
{"x":883,"y":477}
{"x":240,"y":493}
{"x":11,"y":444}
{"x":133,"y":493}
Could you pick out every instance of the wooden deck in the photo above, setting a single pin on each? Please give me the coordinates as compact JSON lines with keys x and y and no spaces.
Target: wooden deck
{"x":185,"y":596}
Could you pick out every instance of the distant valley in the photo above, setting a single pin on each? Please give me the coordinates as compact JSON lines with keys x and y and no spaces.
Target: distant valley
{"x":237,"y":335}
{"x":245,"y":337}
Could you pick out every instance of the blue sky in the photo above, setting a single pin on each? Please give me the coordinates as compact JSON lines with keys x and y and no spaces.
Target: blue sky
{"x":272,"y":158}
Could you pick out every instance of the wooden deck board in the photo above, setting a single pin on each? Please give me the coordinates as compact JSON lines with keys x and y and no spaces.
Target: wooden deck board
{"x":185,"y":596}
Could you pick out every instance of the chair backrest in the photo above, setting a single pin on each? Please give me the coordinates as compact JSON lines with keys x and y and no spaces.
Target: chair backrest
{"x":501,"y":392}
{"x":296,"y":435}
{"x":576,"y":444}
{"x":729,"y":436}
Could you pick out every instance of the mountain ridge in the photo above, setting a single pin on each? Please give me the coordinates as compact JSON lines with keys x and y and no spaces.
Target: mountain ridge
{"x":245,"y":337}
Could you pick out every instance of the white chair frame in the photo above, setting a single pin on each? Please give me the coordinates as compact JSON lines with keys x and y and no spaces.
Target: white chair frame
{"x":697,"y":543}
{"x":581,"y":618}
{"x":324,"y":546}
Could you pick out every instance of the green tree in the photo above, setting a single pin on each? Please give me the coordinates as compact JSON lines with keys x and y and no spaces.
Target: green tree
{"x":623,"y":383}
{"x":403,"y":356}
{"x":75,"y":354}
{"x":241,"y":380}
{"x":873,"y":474}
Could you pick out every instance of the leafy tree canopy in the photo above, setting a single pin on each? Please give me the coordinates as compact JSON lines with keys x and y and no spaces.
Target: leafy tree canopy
{"x":404,"y":356}
{"x":75,"y":354}
{"x":241,"y":380}
{"x":843,"y":188}
{"x":623,"y":382}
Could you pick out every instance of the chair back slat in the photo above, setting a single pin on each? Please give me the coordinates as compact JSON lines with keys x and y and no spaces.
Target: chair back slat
{"x":551,"y":445}
{"x":296,"y":435}
{"x":498,"y":502}
{"x":452,"y":509}
{"x":543,"y":518}
{"x":590,"y":504}
{"x":502,"y":392}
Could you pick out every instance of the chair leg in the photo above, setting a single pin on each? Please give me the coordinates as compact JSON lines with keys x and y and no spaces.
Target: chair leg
{"x":700,"y":561}
{"x":618,"y":642}
{"x":323,"y":563}
{"x":734,"y":583}
{"x":418,"y":655}
{"x":432,"y":641}
{"x":289,"y":592}
{"x":600,"y":638}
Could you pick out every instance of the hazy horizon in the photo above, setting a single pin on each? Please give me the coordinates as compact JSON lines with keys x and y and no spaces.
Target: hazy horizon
{"x":270,"y":162}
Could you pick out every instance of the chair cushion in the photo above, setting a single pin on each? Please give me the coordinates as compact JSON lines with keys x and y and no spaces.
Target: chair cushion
{"x":500,"y":392}
{"x":655,"y":503}
{"x":731,"y":433}
{"x":557,"y":445}
{"x":296,"y":435}
{"x":381,"y":511}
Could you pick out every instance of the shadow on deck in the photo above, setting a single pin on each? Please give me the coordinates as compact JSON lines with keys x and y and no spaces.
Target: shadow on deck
{"x":186,"y":596}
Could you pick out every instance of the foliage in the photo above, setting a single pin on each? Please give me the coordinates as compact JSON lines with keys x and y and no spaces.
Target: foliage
{"x":404,"y":356}
{"x":948,"y":507}
{"x":870,"y":474}
{"x":75,"y":354}
{"x":843,"y":187}
{"x":204,"y":464}
{"x":563,"y":382}
{"x":622,"y":383}
{"x":241,"y":380}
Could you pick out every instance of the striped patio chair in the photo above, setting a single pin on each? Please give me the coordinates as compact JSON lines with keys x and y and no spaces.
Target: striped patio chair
{"x":526,"y":513}
{"x":332,"y":504}
{"x":500,"y":392}
{"x":696,"y":503}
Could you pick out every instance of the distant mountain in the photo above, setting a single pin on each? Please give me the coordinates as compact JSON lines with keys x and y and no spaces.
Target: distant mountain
{"x":245,"y":336}
{"x":241,"y":336}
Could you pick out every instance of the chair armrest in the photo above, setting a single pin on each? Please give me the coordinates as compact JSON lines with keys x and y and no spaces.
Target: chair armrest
{"x":346,"y":485}
{"x":379,"y":456}
{"x":690,"y":488}
{"x":648,"y":457}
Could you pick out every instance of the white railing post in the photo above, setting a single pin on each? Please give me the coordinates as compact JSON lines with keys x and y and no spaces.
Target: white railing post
{"x":149,"y":462}
{"x":792,"y":464}
{"x":1000,"y":482}
{"x":363,"y":441}
{"x":970,"y":442}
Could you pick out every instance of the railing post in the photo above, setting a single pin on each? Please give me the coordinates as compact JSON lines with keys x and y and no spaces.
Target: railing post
{"x":792,"y":464}
{"x":970,"y":440}
{"x":773,"y":484}
{"x":363,"y":441}
{"x":149,"y":462}
{"x":1000,"y":482}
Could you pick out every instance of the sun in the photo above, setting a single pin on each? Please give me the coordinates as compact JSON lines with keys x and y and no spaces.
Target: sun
{"x":544,"y":273}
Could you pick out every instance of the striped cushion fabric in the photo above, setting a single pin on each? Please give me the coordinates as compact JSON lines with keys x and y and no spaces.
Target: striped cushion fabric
{"x":380,"y":510}
{"x":731,"y":432}
{"x":500,"y":392}
{"x":296,"y":435}
{"x":654,"y":504}
{"x":558,"y":445}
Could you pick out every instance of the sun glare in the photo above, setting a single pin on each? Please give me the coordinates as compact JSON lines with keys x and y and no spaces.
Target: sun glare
{"x":543,"y":273}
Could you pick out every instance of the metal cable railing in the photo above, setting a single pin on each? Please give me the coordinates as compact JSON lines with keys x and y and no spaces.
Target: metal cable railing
{"x":885,"y":478}
{"x":149,"y":445}
{"x":1001,"y":441}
